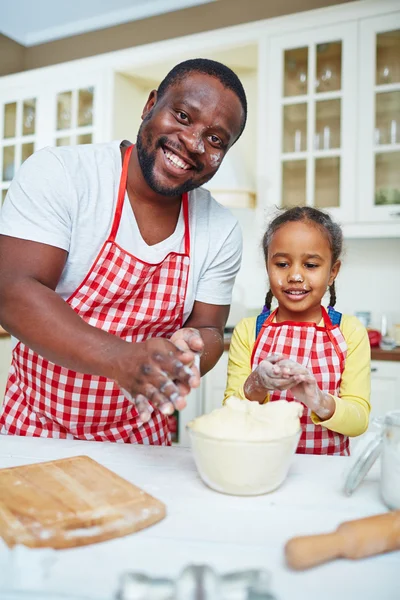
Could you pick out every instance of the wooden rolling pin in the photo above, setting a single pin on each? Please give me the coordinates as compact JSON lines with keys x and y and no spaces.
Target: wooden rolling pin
{"x":352,"y":539}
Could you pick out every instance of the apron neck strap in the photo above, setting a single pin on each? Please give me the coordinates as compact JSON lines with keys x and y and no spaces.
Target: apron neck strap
{"x":121,"y":197}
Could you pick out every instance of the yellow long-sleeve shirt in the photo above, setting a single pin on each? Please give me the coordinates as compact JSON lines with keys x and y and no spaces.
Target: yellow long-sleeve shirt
{"x":353,"y":402}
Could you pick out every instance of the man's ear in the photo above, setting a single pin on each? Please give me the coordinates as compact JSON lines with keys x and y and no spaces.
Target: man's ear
{"x":152,"y":99}
{"x":334,"y":271}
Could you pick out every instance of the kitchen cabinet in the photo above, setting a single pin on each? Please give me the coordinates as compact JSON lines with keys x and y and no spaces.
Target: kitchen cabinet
{"x":5,"y":361}
{"x":385,"y":387}
{"x":333,"y":121}
{"x":214,"y":384}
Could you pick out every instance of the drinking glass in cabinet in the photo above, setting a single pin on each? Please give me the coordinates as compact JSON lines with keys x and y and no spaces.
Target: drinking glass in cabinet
{"x":327,"y":124}
{"x":8,"y":163}
{"x":63,"y":141}
{"x":26,"y":151}
{"x":28,"y":117}
{"x":85,"y":107}
{"x":387,"y":178}
{"x":10,"y":120}
{"x":329,"y":67}
{"x":295,"y":128}
{"x":293,"y":183}
{"x":388,"y":57}
{"x":387,"y":118}
{"x":327,"y":182}
{"x":85,"y":138}
{"x":64,"y":110}
{"x":296,"y":70}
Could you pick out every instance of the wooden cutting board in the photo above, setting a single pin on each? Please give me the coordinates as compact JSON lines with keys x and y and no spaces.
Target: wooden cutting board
{"x":71,"y":502}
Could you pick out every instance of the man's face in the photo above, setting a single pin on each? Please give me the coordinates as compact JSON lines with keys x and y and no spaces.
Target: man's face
{"x":186,"y":133}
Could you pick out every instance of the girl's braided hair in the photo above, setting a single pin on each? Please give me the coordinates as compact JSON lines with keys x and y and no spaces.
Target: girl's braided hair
{"x":313,"y":216}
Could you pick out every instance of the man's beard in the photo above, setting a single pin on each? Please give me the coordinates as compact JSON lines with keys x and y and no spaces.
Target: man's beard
{"x":147,"y":161}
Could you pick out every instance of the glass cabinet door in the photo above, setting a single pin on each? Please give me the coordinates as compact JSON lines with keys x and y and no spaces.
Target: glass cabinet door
{"x":74,"y":117}
{"x":311,"y":135}
{"x":380,"y":119}
{"x":17,"y":137}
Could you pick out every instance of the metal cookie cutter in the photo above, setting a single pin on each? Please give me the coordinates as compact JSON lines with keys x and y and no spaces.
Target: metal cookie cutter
{"x":198,"y":582}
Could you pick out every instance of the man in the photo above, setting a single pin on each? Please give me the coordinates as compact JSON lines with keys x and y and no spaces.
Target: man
{"x":116,"y":270}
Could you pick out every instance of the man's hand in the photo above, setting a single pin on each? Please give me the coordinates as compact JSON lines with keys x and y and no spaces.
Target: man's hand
{"x":187,"y":340}
{"x":157,"y":374}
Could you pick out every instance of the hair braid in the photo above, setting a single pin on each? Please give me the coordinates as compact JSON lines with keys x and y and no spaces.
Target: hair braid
{"x":332,"y":297}
{"x":268,"y":300}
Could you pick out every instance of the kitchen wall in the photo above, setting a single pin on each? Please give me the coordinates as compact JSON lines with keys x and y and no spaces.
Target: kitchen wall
{"x":223,"y":13}
{"x":369,"y":279}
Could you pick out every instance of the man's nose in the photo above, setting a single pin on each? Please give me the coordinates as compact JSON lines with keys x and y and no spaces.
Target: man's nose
{"x":193,"y":140}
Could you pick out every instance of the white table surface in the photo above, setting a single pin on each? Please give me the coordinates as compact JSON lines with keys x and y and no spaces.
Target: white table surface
{"x":205,"y":527}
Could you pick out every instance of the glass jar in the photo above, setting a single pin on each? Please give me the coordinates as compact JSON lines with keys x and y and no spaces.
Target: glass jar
{"x":385,"y":444}
{"x":390,"y":461}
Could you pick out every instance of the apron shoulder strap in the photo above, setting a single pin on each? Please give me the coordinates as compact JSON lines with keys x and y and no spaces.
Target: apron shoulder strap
{"x":334,"y":315}
{"x":261,"y":319}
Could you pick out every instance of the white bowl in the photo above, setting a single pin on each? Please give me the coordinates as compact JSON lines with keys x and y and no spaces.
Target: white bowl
{"x":242,"y":468}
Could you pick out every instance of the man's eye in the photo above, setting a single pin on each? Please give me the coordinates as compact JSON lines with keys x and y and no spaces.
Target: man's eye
{"x":215,"y":140}
{"x":182,"y":116}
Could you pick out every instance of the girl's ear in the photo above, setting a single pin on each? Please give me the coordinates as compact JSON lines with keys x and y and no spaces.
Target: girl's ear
{"x":334,"y":271}
{"x":152,"y":99}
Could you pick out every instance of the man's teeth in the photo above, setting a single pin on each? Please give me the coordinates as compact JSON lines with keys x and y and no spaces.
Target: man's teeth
{"x":178,"y":162}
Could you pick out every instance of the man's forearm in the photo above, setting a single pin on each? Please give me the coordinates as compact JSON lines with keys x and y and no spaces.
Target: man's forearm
{"x":43,"y":321}
{"x":213,"y":348}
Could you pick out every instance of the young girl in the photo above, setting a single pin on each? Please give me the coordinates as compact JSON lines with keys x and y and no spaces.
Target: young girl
{"x":301,"y":351}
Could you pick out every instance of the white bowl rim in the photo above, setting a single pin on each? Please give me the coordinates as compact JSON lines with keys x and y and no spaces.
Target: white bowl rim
{"x":232,"y":441}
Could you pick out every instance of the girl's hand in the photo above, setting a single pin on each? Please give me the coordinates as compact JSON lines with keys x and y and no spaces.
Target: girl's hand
{"x":304,"y":387}
{"x":267,"y":377}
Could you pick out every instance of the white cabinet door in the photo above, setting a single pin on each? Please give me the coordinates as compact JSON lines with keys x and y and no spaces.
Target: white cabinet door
{"x":379,"y":119}
{"x":310,"y":136}
{"x":5,"y":361}
{"x":385,"y":387}
{"x":214,"y":384}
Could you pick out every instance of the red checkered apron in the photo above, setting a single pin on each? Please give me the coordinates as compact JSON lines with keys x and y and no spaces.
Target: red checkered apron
{"x":322,"y":350}
{"x":126,"y":297}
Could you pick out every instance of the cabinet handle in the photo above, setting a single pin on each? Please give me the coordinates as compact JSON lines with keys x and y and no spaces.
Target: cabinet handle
{"x":395,"y":214}
{"x":374,"y":369}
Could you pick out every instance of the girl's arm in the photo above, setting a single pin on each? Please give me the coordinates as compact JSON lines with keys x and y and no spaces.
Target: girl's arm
{"x":239,"y":365}
{"x":352,"y":408}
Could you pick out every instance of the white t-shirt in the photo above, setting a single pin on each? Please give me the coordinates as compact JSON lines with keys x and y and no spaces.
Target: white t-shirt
{"x":66,"y":197}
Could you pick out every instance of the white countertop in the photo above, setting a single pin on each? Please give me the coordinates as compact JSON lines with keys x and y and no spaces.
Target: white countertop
{"x":205,"y":527}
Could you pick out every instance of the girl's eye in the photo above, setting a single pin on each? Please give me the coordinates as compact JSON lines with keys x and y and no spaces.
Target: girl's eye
{"x":281,"y":264}
{"x":311,"y":266}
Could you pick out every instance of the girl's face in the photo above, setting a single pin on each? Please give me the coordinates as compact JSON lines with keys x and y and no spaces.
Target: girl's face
{"x":300,"y":269}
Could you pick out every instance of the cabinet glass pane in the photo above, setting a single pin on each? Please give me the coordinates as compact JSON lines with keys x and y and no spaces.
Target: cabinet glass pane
{"x":388,"y":57}
{"x":27,"y":150}
{"x":329,"y":67}
{"x":85,"y":138}
{"x":387,"y":118}
{"x":296,"y":70}
{"x":64,"y":110}
{"x":295,"y":128}
{"x":63,"y":141}
{"x":327,"y":182}
{"x":294,"y":183}
{"x":327,"y":124}
{"x":8,"y":162}
{"x":3,"y":195}
{"x":10,"y":120}
{"x":29,"y":117}
{"x":387,"y":178}
{"x":85,"y":107}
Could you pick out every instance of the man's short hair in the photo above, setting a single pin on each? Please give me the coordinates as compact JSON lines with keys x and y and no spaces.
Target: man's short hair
{"x":224,"y":74}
